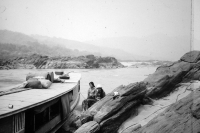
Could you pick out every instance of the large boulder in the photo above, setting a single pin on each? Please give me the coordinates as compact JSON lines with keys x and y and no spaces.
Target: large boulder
{"x":181,"y":117}
{"x":166,"y":77}
{"x":110,"y":105}
{"x":112,"y":124}
{"x":191,"y":57}
{"x":73,"y":122}
{"x":163,"y":81}
{"x":90,"y":127}
{"x":111,"y":111}
{"x":194,"y":73}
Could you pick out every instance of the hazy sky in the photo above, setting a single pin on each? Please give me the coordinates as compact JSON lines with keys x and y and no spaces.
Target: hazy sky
{"x":83,"y":20}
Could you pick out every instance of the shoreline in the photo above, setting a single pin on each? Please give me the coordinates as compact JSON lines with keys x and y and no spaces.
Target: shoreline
{"x":147,"y":112}
{"x":138,"y":107}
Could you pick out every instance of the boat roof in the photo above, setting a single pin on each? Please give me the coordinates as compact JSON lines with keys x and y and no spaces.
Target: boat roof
{"x":30,"y":98}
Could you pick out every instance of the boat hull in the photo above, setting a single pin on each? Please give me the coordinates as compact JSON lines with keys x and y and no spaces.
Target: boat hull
{"x":45,"y":116}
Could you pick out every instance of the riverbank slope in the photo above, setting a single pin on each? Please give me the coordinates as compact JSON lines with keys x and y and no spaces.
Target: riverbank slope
{"x":110,"y":114}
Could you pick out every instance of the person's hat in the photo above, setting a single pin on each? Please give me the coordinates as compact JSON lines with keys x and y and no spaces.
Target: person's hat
{"x":99,"y":86}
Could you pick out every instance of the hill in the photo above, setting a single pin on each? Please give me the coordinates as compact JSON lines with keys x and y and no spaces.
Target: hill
{"x":14,"y":44}
{"x":8,"y":50}
{"x":100,"y":50}
{"x":56,"y":46}
{"x":157,"y":46}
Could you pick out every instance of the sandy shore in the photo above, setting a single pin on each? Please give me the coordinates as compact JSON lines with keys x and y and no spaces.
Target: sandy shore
{"x":148,"y":112}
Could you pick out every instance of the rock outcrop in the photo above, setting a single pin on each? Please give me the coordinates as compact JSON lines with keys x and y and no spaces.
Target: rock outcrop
{"x":165,"y":79}
{"x":111,"y":112}
{"x":183,"y":116}
{"x":36,"y":61}
{"x":90,"y":127}
{"x":149,"y":63}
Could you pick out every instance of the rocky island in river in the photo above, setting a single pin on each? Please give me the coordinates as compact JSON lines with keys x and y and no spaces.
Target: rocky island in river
{"x":36,"y":61}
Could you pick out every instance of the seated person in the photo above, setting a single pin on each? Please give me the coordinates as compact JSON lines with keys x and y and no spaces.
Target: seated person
{"x":91,"y":91}
{"x":99,"y":93}
{"x":94,"y":95}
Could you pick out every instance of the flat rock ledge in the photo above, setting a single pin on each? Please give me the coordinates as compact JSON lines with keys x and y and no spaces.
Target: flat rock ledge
{"x":181,"y":117}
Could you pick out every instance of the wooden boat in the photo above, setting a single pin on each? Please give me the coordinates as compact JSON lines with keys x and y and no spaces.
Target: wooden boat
{"x":39,"y":110}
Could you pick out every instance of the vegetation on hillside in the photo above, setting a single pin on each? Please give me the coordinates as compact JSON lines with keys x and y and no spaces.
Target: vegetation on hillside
{"x":9,"y":50}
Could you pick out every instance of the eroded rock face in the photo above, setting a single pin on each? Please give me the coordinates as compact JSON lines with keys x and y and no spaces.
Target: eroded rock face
{"x":112,"y":124}
{"x":180,"y":117}
{"x":73,"y":122}
{"x":129,"y":93}
{"x":193,"y":74}
{"x":164,"y":80}
{"x":196,"y":108}
{"x":90,"y":127}
{"x":111,"y":112}
{"x":132,"y":128}
{"x":191,"y":57}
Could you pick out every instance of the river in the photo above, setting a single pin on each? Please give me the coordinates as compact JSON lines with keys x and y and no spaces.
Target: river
{"x":108,"y":78}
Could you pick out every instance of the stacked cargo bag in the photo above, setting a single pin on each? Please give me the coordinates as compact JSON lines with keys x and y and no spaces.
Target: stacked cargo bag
{"x":60,"y":76}
{"x":39,"y":81}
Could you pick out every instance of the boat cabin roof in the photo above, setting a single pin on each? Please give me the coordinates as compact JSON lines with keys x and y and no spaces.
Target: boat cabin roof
{"x":30,"y":98}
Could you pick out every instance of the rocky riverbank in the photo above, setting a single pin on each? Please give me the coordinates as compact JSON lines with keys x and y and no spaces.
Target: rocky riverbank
{"x":109,"y":114}
{"x":151,"y":63}
{"x":36,"y":61}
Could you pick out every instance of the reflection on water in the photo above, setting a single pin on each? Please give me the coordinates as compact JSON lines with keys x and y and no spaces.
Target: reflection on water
{"x":108,"y":78}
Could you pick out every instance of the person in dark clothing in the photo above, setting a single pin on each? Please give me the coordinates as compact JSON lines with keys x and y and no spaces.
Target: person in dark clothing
{"x":99,"y":93}
{"x":94,"y":95}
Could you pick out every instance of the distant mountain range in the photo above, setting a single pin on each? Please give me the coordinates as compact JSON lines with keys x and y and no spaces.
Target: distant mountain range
{"x":158,"y":46}
{"x":18,"y":44}
{"x":100,"y":50}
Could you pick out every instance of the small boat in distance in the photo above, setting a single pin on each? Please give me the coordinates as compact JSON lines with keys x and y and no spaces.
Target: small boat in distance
{"x":39,"y":110}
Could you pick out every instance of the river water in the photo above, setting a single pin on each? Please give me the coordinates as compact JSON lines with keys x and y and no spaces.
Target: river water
{"x":108,"y":78}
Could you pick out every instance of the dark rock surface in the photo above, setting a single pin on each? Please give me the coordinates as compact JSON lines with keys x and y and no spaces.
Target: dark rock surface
{"x":149,"y":63}
{"x":131,"y":93}
{"x":111,"y":112}
{"x":180,"y":117}
{"x":90,"y":127}
{"x":191,"y":57}
{"x":73,"y":122}
{"x":165,"y":79}
{"x":113,"y":123}
{"x":36,"y":61}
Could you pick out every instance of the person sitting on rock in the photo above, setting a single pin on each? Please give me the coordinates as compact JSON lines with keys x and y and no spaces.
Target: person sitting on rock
{"x":91,"y":91}
{"x":90,"y":98}
{"x":94,"y":95}
{"x":100,"y":93}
